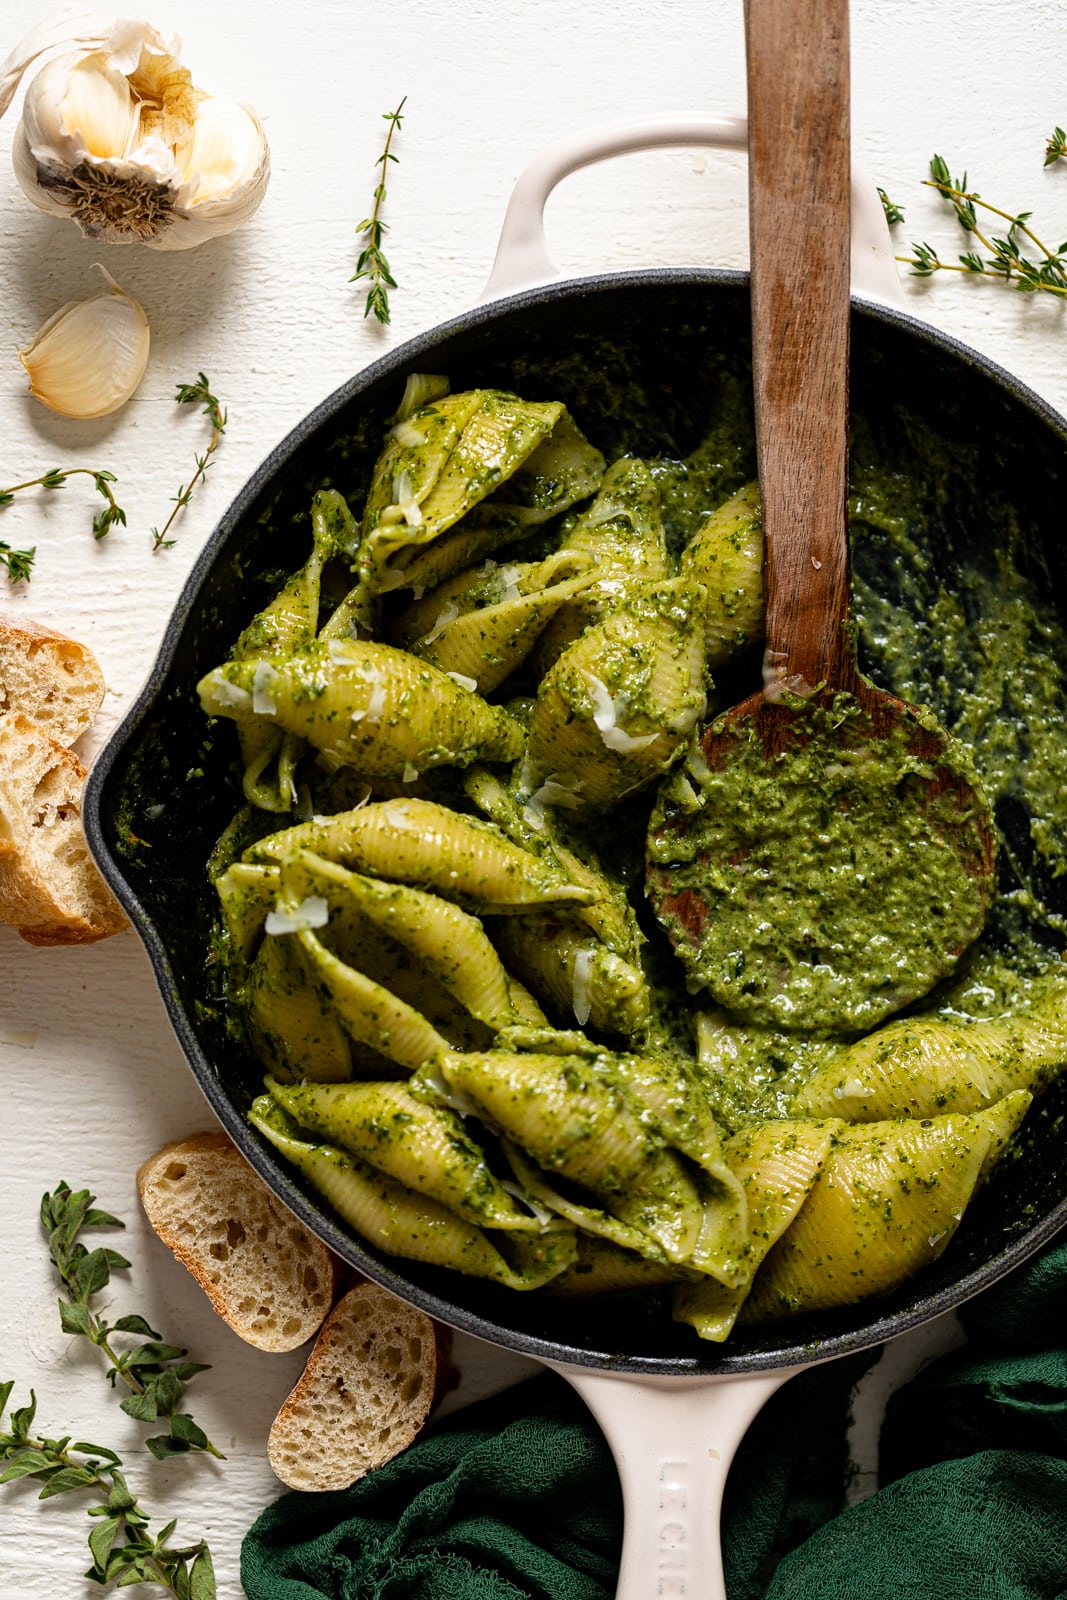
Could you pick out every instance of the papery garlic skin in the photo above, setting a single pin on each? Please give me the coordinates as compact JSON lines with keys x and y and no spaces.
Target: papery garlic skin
{"x":89,"y":357}
{"x":115,"y":135}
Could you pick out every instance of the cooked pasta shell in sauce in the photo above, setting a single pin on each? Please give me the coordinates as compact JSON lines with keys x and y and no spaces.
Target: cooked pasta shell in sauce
{"x":602,"y":1267}
{"x":450,"y":943}
{"x":486,"y":642}
{"x":923,"y":1066}
{"x":725,"y":556}
{"x":422,"y":1146}
{"x":623,"y":532}
{"x":425,"y":844}
{"x":367,"y":706}
{"x":428,"y":495}
{"x":586,"y":1218}
{"x":394,"y":1219}
{"x":372,"y":1014}
{"x":889,"y":1199}
{"x":777,"y":1164}
{"x":620,"y":702}
{"x":270,"y":755}
{"x":568,"y":967}
{"x":294,"y":1032}
{"x":564,"y":469}
{"x":610,"y":915}
{"x":559,"y":1109}
{"x":247,"y":891}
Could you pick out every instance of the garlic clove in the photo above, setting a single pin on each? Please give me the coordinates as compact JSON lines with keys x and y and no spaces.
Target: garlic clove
{"x":90,"y":355}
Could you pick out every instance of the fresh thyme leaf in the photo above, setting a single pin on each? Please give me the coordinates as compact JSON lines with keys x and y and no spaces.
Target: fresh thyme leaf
{"x":371,"y":262}
{"x":20,"y":562}
{"x":190,"y":394}
{"x":893,"y":213}
{"x":1056,"y":147}
{"x":998,"y":256}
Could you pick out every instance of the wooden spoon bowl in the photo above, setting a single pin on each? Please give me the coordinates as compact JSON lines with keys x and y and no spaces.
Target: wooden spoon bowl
{"x":837,"y":854}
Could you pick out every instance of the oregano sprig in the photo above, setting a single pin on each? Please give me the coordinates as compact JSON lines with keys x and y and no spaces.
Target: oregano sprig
{"x":1000,"y":256}
{"x":20,"y":562}
{"x":371,"y":262}
{"x":188,"y":394}
{"x":154,"y":1372}
{"x":123,"y":1549}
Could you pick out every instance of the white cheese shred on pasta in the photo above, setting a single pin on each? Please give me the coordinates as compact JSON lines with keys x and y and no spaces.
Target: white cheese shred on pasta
{"x":558,"y":789}
{"x":534,"y":1207}
{"x":852,"y":1089}
{"x":404,"y":498}
{"x":310,"y":913}
{"x":406,"y":433}
{"x":463,"y":681}
{"x":372,"y":711}
{"x":410,"y":774}
{"x":605,"y":717}
{"x":264,"y":681}
{"x":509,"y":577}
{"x":581,"y":985}
{"x":223,"y":695}
{"x":448,"y":613}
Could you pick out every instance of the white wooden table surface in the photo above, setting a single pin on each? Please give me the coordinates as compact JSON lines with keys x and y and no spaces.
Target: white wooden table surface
{"x":92,"y":1078}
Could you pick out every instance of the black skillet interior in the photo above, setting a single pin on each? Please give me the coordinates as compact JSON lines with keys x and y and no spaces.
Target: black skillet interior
{"x":646,"y":363}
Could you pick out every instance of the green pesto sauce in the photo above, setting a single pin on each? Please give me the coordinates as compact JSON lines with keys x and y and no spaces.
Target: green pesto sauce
{"x":823,"y":886}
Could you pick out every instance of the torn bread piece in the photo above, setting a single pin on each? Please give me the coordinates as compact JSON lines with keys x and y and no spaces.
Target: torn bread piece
{"x":53,"y":680}
{"x":50,"y":889}
{"x":265,"y":1273}
{"x":364,"y":1394}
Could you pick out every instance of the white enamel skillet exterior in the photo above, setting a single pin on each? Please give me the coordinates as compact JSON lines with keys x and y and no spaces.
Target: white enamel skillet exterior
{"x":673,"y":1439}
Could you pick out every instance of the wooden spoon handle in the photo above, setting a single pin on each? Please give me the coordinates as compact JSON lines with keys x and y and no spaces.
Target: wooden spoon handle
{"x":799,"y":179}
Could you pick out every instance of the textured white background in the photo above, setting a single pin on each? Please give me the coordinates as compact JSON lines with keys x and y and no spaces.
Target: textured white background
{"x":270,"y":315}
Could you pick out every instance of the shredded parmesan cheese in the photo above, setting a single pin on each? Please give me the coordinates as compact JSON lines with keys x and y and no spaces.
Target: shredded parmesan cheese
{"x":581,"y":990}
{"x":448,"y":613}
{"x":463,"y":681}
{"x":310,"y":913}
{"x":264,"y":680}
{"x":606,"y":720}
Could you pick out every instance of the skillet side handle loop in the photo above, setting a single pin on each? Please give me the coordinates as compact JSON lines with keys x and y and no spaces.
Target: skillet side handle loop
{"x":522,"y":258}
{"x":673,"y":1440}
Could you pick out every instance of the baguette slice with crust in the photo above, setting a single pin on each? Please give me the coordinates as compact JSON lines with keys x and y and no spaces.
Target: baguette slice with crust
{"x":50,"y":889}
{"x":364,"y":1394}
{"x":266,"y":1275}
{"x":53,"y":680}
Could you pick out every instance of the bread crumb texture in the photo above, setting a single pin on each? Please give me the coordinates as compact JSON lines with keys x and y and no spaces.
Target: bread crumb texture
{"x":364,"y":1395}
{"x":265,"y":1274}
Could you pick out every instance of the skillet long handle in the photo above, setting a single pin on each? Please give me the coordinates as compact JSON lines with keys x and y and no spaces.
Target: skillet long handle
{"x":673,"y":1440}
{"x":798,"y":119}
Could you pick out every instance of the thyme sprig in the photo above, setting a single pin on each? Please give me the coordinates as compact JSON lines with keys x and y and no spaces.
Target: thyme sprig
{"x":20,"y":562}
{"x":190,"y":394}
{"x":1004,"y":256}
{"x":371,"y":262}
{"x":154,"y":1372}
{"x":1056,"y":147}
{"x":123,"y":1549}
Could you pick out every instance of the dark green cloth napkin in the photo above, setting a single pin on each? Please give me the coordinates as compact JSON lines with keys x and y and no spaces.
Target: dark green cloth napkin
{"x":517,"y":1498}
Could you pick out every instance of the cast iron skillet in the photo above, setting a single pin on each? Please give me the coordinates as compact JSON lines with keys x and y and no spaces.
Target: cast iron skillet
{"x":644,"y":361}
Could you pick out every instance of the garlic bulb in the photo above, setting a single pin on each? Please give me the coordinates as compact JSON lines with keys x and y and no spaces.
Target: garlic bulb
{"x":115,"y":135}
{"x":90,"y":356}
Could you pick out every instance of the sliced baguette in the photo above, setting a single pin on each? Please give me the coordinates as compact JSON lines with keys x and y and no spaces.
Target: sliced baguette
{"x":50,"y":889}
{"x":266,"y":1275}
{"x":364,"y":1394}
{"x":53,"y":680}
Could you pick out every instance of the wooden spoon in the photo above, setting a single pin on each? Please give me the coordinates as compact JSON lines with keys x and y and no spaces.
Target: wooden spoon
{"x":837,"y":855}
